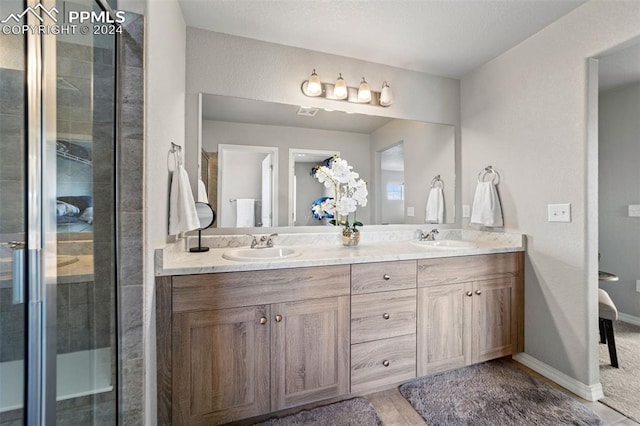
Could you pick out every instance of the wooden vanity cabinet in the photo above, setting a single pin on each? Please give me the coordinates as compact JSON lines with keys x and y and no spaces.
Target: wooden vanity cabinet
{"x":246,"y":343}
{"x":469,"y":310}
{"x":383,"y":324}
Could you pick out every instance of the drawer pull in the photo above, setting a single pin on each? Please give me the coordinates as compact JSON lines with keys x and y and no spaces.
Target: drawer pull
{"x":469,"y":294}
{"x":386,"y":363}
{"x":263,"y":320}
{"x":386,"y":277}
{"x":278,"y":318}
{"x":385,"y":316}
{"x":478,"y":292}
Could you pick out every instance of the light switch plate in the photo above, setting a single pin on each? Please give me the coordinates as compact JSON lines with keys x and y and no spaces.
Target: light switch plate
{"x":410,"y":211}
{"x":559,"y":212}
{"x":466,"y":211}
{"x":638,"y":286}
{"x":634,"y":210}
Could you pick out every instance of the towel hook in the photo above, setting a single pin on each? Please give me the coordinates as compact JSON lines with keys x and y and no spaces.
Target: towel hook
{"x":176,"y":150}
{"x":437,"y":181}
{"x":489,"y":170}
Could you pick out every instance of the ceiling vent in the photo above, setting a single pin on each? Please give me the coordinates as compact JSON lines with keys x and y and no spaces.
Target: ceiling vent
{"x":308,"y":111}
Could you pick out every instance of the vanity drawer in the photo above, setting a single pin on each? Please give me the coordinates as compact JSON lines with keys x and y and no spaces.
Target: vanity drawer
{"x":383,"y":276}
{"x":467,"y":268}
{"x":236,"y":289}
{"x":382,"y":315}
{"x":382,"y":362}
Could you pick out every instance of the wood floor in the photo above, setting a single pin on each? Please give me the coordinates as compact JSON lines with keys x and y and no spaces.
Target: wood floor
{"x":394,"y":410}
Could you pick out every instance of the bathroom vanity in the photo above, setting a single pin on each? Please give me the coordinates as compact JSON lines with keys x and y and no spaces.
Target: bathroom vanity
{"x":261,"y":337}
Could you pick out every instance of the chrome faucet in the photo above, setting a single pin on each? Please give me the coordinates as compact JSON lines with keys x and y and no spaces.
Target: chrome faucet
{"x":429,"y":236}
{"x":264,"y":242}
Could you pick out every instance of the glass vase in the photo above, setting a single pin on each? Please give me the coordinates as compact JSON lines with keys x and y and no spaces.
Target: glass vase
{"x":350,"y":237}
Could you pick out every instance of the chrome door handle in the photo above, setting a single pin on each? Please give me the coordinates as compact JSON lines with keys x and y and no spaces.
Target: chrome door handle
{"x":17,"y":255}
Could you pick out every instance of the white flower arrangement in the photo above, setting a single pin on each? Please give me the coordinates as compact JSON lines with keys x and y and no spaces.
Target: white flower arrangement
{"x":349,"y":192}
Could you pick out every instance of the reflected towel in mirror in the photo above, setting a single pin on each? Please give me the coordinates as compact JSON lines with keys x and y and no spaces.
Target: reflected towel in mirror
{"x":245,"y":214}
{"x":435,"y":206}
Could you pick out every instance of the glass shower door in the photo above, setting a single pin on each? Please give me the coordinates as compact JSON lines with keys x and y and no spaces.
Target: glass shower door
{"x":58,"y":359}
{"x":12,"y":222}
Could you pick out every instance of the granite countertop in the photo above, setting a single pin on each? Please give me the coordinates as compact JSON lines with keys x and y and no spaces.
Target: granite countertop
{"x":322,"y":250}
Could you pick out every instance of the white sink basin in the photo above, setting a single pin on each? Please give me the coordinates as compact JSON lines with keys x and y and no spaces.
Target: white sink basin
{"x":446,"y":244}
{"x":264,"y":254}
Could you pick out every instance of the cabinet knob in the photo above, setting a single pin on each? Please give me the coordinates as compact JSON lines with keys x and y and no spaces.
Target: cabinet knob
{"x":386,"y":277}
{"x":385,"y":315}
{"x":263,"y":320}
{"x":469,"y":294}
{"x":386,"y":363}
{"x":478,"y":292}
{"x":278,"y":318}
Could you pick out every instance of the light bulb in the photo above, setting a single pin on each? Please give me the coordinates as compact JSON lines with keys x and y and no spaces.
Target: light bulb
{"x":364,"y":94}
{"x":314,"y":87}
{"x":386,"y":95}
{"x":340,"y":88}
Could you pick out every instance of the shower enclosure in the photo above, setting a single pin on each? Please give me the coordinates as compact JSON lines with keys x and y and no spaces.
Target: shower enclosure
{"x":58,"y":341}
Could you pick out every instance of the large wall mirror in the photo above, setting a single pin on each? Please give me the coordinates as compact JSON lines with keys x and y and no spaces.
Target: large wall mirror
{"x":260,"y":154}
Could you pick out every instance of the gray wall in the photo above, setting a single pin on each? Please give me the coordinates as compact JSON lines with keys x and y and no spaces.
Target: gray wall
{"x":619,"y":186}
{"x":281,"y":70}
{"x":525,"y":113}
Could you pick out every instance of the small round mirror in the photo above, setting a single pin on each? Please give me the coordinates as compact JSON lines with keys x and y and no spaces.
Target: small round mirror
{"x":206,"y":216}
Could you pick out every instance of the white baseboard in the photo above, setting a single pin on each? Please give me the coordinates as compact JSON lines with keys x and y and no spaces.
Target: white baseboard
{"x":629,"y":318}
{"x":588,"y":392}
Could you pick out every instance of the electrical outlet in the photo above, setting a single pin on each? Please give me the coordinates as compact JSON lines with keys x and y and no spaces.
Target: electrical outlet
{"x":559,"y":212}
{"x":466,"y":211}
{"x":410,"y":211}
{"x":634,"y":210}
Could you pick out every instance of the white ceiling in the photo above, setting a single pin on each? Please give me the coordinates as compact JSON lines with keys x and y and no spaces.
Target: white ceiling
{"x":238,"y":110}
{"x":446,"y":37}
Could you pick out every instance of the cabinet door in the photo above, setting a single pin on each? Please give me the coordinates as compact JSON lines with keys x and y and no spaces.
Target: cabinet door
{"x":444,"y":327}
{"x":310,"y":351}
{"x":220,"y":365}
{"x":494,"y":316}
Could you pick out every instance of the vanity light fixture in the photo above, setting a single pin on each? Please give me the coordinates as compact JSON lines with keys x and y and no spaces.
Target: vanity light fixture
{"x":340,"y":89}
{"x":341,"y":92}
{"x":386,"y":95}
{"x":314,"y":86}
{"x":364,"y":93}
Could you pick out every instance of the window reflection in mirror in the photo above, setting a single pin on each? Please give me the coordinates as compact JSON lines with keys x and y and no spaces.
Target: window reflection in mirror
{"x":391,"y":201}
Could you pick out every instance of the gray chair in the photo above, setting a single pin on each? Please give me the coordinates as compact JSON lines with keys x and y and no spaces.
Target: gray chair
{"x":607,"y":313}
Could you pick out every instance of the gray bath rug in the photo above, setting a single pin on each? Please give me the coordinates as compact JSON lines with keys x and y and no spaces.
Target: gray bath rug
{"x":621,"y":386}
{"x":493,"y":393}
{"x":352,"y":412}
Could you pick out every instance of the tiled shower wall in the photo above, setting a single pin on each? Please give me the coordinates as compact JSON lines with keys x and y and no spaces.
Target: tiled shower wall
{"x":130,"y":215}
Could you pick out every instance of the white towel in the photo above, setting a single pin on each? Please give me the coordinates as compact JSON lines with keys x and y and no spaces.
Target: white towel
{"x":245,"y":215}
{"x":182,"y":209}
{"x":486,"y":209}
{"x":434,"y":212}
{"x":202,"y":192}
